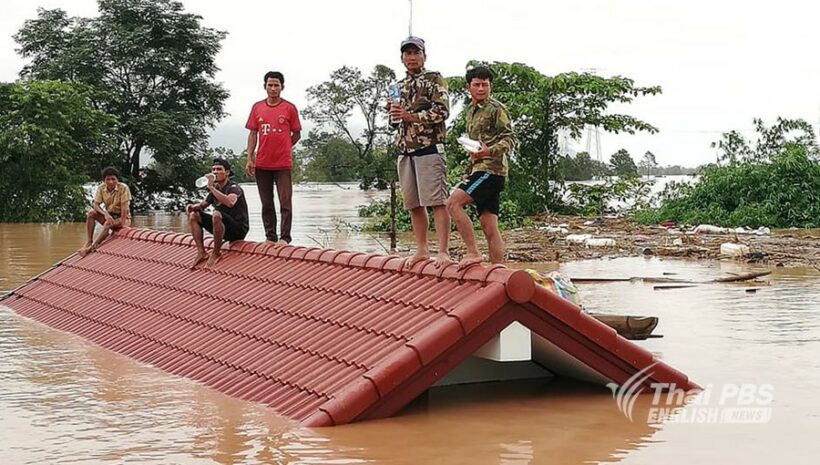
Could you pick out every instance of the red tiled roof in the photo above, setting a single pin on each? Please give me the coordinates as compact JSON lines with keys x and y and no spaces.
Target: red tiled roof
{"x":325,"y":337}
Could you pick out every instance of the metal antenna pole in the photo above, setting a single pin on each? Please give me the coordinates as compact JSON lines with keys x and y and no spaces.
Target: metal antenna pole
{"x":410,"y":24}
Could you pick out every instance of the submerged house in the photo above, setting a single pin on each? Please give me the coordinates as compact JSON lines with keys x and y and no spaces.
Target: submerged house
{"x":325,"y":337}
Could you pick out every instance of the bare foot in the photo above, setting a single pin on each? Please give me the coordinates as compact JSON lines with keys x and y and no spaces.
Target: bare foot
{"x":443,"y":258}
{"x":83,"y":251}
{"x":200,"y":257}
{"x":281,"y":242}
{"x":213,"y":259}
{"x":417,"y":257}
{"x":469,"y":260}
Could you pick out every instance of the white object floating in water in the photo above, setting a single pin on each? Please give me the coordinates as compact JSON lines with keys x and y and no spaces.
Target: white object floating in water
{"x":710,"y":229}
{"x":577,"y":238}
{"x":733,"y":249}
{"x":600,"y":242}
{"x":553,"y":229}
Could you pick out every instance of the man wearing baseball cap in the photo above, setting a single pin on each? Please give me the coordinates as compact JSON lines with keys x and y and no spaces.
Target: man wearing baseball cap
{"x":229,"y":221}
{"x":420,"y":117}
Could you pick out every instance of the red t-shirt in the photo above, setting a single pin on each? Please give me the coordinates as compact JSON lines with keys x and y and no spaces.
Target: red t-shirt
{"x":274,"y":125}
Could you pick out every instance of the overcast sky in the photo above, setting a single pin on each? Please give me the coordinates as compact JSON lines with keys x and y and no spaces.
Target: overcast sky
{"x":720,"y":62}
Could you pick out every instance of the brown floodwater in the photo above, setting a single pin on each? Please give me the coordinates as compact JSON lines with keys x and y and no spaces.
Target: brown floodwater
{"x":64,"y":400}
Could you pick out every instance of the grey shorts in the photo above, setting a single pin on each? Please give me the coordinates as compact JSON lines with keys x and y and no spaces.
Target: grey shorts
{"x":423,"y":180}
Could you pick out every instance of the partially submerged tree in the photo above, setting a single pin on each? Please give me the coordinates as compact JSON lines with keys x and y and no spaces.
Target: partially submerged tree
{"x":623,"y":165}
{"x":648,"y":163}
{"x":774,"y":182}
{"x":153,"y":66}
{"x":581,"y":167}
{"x":347,"y":100}
{"x":540,"y":106}
{"x":329,"y":158}
{"x":48,"y":132}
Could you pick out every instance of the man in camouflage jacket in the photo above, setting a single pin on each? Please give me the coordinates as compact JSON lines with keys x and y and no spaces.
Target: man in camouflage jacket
{"x":488,"y":122}
{"x":420,"y":117}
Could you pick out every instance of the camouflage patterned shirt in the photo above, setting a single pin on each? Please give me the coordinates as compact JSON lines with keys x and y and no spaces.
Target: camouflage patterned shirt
{"x":424,"y":95}
{"x":489,"y":122}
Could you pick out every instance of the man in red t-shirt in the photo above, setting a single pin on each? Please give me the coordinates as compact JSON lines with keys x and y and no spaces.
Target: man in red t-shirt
{"x":274,"y":129}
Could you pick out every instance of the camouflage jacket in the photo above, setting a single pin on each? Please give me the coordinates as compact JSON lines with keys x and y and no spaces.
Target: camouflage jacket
{"x":489,"y":122}
{"x":424,"y":95}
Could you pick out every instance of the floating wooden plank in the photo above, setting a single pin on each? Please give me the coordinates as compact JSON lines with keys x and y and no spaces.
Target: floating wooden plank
{"x":635,"y":328}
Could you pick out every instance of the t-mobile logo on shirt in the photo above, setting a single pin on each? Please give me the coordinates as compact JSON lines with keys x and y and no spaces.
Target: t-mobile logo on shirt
{"x":265,"y":128}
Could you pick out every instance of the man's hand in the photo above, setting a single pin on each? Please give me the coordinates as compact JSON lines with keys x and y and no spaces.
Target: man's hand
{"x":483,"y":153}
{"x":250,"y":168}
{"x":397,"y":112}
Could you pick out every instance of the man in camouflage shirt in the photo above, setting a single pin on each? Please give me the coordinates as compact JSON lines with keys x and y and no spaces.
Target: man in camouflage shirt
{"x":420,"y":118}
{"x":488,"y":122}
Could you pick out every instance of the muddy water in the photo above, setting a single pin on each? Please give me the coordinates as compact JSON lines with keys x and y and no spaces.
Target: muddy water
{"x":324,"y":215}
{"x":63,"y":400}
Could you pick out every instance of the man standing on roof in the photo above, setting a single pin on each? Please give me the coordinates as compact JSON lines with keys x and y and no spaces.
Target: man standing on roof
{"x":274,"y":129}
{"x":116,"y":197}
{"x":420,"y":117}
{"x":488,"y":122}
{"x":229,"y":221}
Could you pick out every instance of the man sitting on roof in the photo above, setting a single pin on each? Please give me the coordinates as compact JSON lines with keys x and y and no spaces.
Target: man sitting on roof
{"x":116,"y":198}
{"x":229,"y":220}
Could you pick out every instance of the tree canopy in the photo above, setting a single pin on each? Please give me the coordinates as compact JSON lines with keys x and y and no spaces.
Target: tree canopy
{"x":540,"y":106}
{"x":349,"y":98}
{"x":622,"y":164}
{"x":48,"y":133}
{"x":151,"y":64}
{"x":774,"y":182}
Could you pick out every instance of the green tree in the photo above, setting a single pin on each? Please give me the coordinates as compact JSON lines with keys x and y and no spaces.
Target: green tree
{"x":648,"y":163}
{"x":48,"y":130}
{"x":774,"y":183}
{"x":609,"y":196}
{"x":771,"y":141}
{"x":582,"y":167}
{"x":153,"y":66}
{"x":329,"y":158}
{"x":347,"y":98}
{"x":540,"y":106}
{"x":623,"y":165}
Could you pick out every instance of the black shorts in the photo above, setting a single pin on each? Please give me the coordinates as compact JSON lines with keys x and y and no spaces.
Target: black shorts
{"x":234,"y":231}
{"x":485,"y":189}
